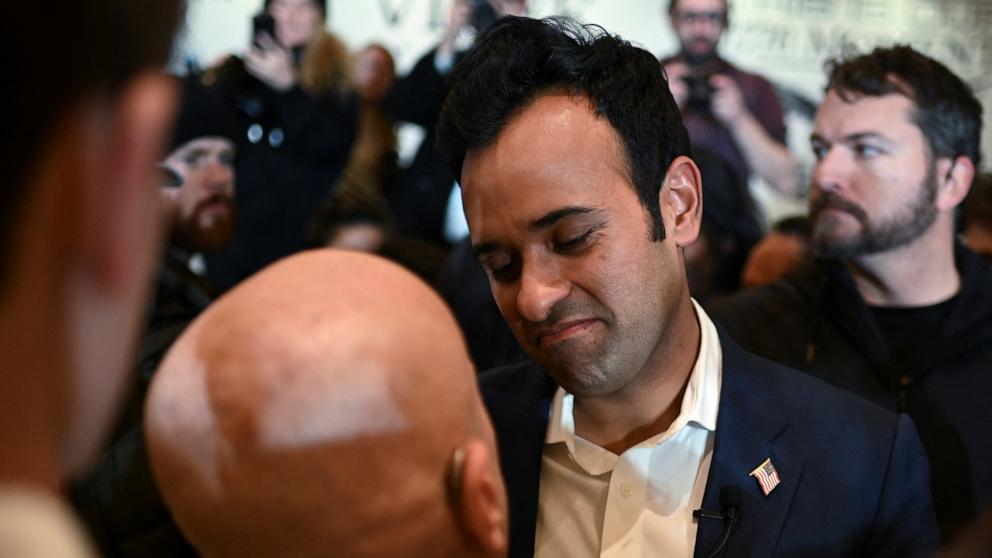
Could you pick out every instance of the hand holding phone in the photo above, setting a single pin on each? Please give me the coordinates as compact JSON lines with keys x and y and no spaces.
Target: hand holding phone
{"x":263,"y":24}
{"x":267,"y":60}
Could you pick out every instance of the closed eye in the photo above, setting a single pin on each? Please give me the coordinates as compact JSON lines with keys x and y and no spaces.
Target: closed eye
{"x":500,"y":267}
{"x":576,"y":243}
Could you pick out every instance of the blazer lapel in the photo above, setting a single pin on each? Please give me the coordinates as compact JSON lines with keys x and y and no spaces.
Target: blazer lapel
{"x":747,"y":425}
{"x":520,"y":415}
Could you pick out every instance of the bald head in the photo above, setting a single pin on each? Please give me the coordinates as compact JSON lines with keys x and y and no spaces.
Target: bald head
{"x":327,"y":404}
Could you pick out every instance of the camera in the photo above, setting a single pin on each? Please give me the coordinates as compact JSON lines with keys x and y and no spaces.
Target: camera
{"x":700,"y":92}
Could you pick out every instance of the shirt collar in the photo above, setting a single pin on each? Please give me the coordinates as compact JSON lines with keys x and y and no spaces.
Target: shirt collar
{"x":700,"y":403}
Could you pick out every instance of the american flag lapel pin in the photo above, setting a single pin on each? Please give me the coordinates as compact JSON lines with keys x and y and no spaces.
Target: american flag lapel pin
{"x":767,"y":476}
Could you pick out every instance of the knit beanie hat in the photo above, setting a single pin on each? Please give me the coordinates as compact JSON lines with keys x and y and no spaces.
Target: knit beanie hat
{"x":202,"y":113}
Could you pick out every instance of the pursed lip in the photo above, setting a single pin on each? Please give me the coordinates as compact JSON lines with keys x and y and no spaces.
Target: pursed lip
{"x":561,"y":330}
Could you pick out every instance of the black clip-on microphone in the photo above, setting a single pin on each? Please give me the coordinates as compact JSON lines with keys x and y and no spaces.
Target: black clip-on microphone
{"x":730,"y":501}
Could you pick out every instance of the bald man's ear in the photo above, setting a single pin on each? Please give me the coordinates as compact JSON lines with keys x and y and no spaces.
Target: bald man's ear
{"x":954,"y":178}
{"x":482,"y":499}
{"x":681,"y":201}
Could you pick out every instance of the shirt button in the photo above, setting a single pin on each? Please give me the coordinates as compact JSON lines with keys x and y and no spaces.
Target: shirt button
{"x":276,"y":137}
{"x":255,"y":133}
{"x":626,"y":490}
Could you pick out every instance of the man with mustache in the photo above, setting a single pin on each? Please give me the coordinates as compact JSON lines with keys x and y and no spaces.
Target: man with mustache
{"x":894,"y":309}
{"x":730,"y":112}
{"x":581,"y":197}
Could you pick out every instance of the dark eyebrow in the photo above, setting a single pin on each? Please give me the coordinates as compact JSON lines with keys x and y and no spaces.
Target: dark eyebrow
{"x":855,"y":137}
{"x":867,"y":136}
{"x":559,"y":214}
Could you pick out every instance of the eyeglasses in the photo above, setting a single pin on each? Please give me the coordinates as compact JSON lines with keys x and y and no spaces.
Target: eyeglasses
{"x":169,"y":178}
{"x":713,"y":18}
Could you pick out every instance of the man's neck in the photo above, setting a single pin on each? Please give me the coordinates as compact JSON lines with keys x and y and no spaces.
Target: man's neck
{"x":650,"y":404}
{"x":921,"y":273}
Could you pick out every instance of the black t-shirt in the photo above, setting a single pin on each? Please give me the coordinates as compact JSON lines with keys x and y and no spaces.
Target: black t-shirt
{"x":909,"y":334}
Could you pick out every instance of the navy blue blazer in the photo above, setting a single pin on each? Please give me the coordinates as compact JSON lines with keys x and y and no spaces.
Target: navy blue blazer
{"x":854,"y":476}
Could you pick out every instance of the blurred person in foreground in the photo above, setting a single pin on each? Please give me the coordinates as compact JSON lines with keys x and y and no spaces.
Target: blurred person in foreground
{"x":732,"y":113}
{"x":81,"y":229}
{"x":893,"y":308}
{"x":298,"y":117}
{"x":636,"y":411}
{"x":118,"y":498}
{"x":327,"y":406}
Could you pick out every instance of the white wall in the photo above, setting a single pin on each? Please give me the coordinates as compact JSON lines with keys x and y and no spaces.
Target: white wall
{"x":786,"y":40}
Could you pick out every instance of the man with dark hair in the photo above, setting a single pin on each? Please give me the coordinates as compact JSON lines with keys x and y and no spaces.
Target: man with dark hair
{"x":733,"y":113}
{"x":90,"y":114}
{"x":893,"y":308}
{"x":580,"y":198}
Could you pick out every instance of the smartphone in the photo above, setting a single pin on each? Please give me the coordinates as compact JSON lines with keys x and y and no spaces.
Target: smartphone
{"x":263,"y":23}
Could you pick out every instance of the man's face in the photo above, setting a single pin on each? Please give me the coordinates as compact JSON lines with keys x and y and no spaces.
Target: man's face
{"x":202,"y":209}
{"x":874,"y":182}
{"x":566,"y":242}
{"x":699,"y":25}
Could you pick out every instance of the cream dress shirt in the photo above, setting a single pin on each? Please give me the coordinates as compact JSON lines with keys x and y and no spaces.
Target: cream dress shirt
{"x":595,"y":503}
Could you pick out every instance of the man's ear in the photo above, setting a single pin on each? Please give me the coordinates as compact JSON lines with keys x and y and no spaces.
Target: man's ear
{"x":126,"y":137}
{"x":681,"y":200}
{"x":954,"y":177}
{"x":482,"y":499}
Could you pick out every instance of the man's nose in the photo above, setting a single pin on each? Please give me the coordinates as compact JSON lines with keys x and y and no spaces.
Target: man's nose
{"x":832,"y":171}
{"x":220,"y":177}
{"x":541,"y":287}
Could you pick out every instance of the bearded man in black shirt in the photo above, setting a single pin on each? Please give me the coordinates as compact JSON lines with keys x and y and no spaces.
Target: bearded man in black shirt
{"x":893,"y":309}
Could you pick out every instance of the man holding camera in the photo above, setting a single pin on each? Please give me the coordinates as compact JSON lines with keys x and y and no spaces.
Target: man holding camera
{"x":730,"y":112}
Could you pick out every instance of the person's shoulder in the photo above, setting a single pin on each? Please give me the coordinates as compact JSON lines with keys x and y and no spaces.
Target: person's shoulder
{"x":786,"y":297}
{"x":812,"y":402}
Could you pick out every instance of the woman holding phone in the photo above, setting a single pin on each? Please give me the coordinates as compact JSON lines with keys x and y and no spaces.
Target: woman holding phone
{"x":298,"y":114}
